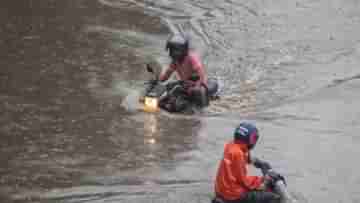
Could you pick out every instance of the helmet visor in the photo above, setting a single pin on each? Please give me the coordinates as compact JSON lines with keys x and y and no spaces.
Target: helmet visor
{"x":177,"y":52}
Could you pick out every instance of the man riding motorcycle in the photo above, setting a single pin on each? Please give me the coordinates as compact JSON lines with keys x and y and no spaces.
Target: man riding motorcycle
{"x":186,"y":64}
{"x":233,"y":184}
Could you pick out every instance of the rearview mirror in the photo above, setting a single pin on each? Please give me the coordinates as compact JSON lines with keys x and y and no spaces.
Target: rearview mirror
{"x":149,"y":68}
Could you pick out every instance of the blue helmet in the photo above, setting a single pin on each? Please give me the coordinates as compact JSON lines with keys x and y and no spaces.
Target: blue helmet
{"x":247,"y":133}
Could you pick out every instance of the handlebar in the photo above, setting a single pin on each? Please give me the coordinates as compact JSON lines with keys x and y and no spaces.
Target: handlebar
{"x":266,"y":169}
{"x":152,"y":71}
{"x":151,"y":82}
{"x":149,"y":68}
{"x":262,"y":165}
{"x":277,"y":181}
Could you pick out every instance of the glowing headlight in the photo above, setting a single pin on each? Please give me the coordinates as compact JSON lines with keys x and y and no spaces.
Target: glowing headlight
{"x":151,"y":104}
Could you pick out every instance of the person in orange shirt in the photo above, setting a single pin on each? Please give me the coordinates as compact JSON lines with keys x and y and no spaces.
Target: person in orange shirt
{"x":233,"y":184}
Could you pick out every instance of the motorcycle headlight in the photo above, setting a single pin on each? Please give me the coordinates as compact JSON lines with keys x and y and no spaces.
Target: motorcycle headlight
{"x":151,"y":104}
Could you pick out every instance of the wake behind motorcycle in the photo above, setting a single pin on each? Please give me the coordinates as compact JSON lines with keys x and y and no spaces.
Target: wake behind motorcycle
{"x":172,"y":96}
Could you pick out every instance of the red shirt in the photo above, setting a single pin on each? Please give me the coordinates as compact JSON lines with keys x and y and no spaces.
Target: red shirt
{"x":232,"y":179}
{"x":191,"y":64}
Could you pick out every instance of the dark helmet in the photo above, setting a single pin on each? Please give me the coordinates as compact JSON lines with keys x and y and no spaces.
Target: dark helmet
{"x":177,"y":46}
{"x":247,"y":133}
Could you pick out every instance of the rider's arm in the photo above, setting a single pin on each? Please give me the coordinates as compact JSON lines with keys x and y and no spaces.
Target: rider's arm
{"x":260,"y":164}
{"x":167,"y":73}
{"x":269,"y":174}
{"x":250,"y":182}
{"x":201,"y":72}
{"x":199,"y":68}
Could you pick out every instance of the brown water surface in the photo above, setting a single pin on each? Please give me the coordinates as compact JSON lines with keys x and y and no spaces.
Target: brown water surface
{"x":70,"y":72}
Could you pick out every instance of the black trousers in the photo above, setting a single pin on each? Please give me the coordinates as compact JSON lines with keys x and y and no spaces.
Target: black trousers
{"x":253,"y":197}
{"x":197,"y":95}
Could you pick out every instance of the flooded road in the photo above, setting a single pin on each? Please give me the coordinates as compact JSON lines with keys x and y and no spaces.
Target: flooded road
{"x":71,"y":71}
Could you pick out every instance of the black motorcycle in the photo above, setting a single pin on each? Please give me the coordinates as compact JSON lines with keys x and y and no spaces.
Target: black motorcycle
{"x":172,"y":96}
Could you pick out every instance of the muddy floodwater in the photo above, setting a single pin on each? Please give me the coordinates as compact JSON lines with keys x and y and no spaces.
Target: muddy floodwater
{"x":71,"y":71}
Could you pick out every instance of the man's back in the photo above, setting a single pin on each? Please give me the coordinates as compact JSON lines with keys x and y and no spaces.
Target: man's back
{"x":232,"y":181}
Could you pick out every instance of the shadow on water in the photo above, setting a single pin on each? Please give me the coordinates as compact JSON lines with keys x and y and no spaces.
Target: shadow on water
{"x":61,"y":88}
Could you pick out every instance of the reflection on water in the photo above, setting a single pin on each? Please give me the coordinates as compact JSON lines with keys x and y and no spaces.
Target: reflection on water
{"x":63,"y":83}
{"x":156,"y":138}
{"x":151,"y":129}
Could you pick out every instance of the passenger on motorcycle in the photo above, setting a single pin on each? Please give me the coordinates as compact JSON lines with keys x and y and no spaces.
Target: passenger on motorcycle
{"x":186,"y":63}
{"x":233,"y":183}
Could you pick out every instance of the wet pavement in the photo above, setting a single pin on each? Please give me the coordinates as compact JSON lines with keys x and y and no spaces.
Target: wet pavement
{"x":72,"y":131}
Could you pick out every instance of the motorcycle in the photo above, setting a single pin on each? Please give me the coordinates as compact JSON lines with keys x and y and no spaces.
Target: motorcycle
{"x":172,"y":96}
{"x":277,"y":184}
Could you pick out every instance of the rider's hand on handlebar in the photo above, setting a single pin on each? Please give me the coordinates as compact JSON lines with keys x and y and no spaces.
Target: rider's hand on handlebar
{"x":263,"y":165}
{"x":271,"y":177}
{"x":274,"y":175}
{"x":268,"y":183}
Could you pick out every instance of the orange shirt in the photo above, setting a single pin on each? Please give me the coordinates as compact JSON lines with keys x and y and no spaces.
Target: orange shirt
{"x":232,"y":179}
